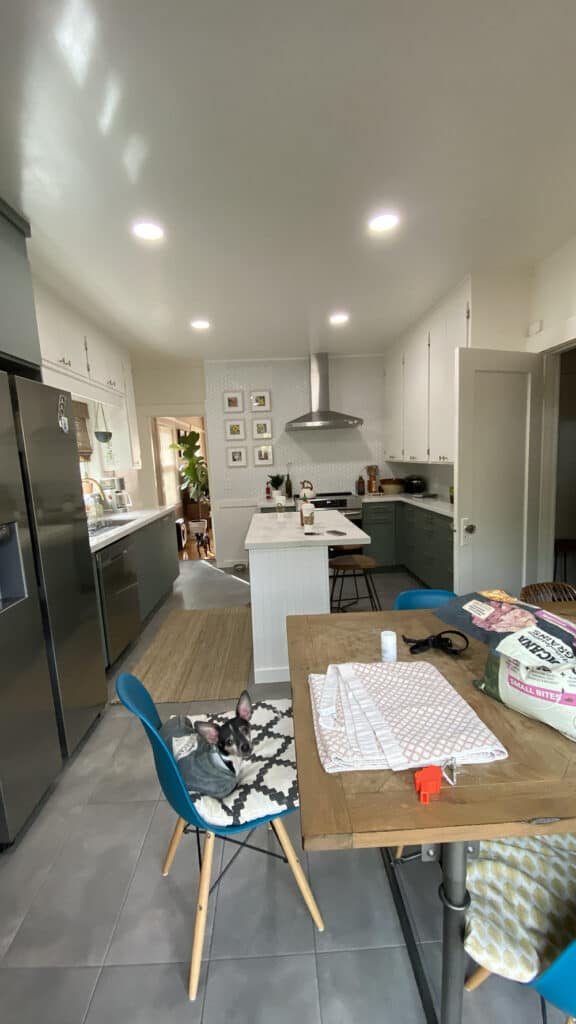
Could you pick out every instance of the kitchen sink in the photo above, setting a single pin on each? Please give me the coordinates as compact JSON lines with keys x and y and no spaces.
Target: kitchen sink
{"x":107,"y":524}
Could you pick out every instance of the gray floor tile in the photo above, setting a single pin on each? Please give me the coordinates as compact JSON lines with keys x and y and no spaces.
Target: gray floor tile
{"x":353,"y":894}
{"x":260,"y":911}
{"x":420,"y":882}
{"x":157,"y":919}
{"x":130,"y":773}
{"x":56,"y":995}
{"x":150,"y":994}
{"x":368,"y":985}
{"x":71,"y":919}
{"x":496,"y":1000}
{"x":281,"y":990}
{"x":81,"y":775}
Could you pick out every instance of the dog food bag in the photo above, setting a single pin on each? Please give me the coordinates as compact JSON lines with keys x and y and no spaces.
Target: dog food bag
{"x":532,"y":664}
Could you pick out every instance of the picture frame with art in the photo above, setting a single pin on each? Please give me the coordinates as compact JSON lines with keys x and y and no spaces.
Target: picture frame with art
{"x":261,"y":430}
{"x":260,"y":401}
{"x":236,"y":457}
{"x":234,"y":430}
{"x":263,"y":455}
{"x":233,"y":401}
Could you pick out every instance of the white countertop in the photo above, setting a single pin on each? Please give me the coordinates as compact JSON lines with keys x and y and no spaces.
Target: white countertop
{"x":443,"y":508}
{"x":283,"y":530}
{"x":128,"y":522}
{"x":270,"y":503}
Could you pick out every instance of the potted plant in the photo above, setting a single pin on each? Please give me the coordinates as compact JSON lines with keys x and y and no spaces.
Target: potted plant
{"x":276,"y":481}
{"x":193,"y":468}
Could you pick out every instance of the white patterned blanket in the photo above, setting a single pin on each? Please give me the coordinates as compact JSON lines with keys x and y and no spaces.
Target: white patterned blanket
{"x":399,"y":716}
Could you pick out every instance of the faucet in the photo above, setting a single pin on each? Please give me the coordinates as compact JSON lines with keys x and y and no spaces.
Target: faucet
{"x":98,"y":485}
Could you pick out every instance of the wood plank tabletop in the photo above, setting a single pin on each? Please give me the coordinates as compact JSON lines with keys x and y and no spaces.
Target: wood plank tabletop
{"x":380,"y":808}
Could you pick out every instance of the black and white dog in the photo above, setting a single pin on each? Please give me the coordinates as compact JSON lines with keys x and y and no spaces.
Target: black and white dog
{"x":209,"y":755}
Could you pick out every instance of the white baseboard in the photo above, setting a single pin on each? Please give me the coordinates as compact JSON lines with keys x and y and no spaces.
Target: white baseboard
{"x":272,"y":675}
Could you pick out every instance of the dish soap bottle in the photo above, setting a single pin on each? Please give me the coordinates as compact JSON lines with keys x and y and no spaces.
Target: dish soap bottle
{"x":360,"y":485}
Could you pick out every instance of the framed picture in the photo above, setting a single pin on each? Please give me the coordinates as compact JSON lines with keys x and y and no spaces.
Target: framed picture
{"x":234,"y":430}
{"x":236,"y":457}
{"x":264,"y":455}
{"x":262,"y":430}
{"x":260,"y":401}
{"x":233,"y":401}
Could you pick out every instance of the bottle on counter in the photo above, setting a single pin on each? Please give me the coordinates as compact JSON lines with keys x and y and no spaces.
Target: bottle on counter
{"x":268,"y":491}
{"x":360,"y":485}
{"x":372,"y":479}
{"x":288,"y":486}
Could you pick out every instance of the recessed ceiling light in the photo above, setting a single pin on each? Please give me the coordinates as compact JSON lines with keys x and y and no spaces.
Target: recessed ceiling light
{"x":148,"y":230}
{"x":336,"y":319}
{"x":384,"y":221}
{"x":200,"y":325}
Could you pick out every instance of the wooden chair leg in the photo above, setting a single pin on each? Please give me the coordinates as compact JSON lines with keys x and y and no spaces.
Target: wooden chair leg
{"x":201,"y":915}
{"x":398,"y":852}
{"x":300,"y":877}
{"x":174,"y":844}
{"x":476,"y":979}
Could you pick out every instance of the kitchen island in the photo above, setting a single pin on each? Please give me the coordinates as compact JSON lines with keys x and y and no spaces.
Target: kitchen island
{"x":289,"y":576}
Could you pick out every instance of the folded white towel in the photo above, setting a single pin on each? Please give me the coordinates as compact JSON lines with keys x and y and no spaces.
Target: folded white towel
{"x":395,"y":716}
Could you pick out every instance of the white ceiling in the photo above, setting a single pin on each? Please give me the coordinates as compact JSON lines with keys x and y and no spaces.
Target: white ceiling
{"x":262,"y":133}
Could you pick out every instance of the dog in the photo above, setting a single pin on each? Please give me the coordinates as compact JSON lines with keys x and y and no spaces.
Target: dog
{"x":209,"y":755}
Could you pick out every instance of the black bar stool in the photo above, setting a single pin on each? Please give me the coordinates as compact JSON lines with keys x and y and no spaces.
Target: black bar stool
{"x":353,"y":567}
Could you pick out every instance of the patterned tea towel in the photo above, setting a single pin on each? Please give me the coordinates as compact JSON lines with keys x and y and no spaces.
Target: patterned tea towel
{"x":398,"y":716}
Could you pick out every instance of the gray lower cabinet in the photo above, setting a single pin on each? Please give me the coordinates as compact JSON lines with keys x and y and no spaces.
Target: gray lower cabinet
{"x":156,"y":558}
{"x":379,"y":521}
{"x":420,"y":540}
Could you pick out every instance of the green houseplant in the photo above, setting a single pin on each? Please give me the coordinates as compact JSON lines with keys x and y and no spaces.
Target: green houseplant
{"x":193,"y":469}
{"x":276,"y":481}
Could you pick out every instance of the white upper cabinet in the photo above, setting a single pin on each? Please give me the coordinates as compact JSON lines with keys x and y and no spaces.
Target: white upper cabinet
{"x":393,"y":387}
{"x":61,"y":337}
{"x":105,"y":363}
{"x":131,"y":416}
{"x":442,"y":399}
{"x":415,"y":397}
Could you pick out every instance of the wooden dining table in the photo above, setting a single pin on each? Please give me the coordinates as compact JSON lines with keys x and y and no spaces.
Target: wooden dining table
{"x":532,"y":792}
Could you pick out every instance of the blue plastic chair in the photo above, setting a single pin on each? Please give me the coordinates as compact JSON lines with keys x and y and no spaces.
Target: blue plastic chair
{"x":410,"y":599}
{"x":557,"y":984}
{"x":134,"y":695}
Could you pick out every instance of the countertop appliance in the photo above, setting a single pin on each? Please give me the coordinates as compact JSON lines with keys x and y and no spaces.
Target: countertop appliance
{"x":343,"y":501}
{"x":52,"y":681}
{"x":119,"y":595}
{"x":414,"y":485}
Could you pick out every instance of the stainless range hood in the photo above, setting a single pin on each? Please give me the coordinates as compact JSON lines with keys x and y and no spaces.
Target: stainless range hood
{"x":321,"y":416}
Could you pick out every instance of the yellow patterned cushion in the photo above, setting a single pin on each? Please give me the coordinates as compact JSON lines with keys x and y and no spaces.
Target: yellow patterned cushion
{"x":523,"y":909}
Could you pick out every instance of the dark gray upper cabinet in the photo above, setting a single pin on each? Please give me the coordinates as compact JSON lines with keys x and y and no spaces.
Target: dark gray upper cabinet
{"x":18,"y":330}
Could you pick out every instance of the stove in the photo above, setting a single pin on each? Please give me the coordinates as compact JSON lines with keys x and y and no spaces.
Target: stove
{"x":343,"y":501}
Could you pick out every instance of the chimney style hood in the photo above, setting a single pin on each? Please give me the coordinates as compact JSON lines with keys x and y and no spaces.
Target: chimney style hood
{"x":321,"y":417}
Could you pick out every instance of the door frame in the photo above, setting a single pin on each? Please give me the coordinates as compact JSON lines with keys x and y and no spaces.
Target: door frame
{"x":549,"y":458}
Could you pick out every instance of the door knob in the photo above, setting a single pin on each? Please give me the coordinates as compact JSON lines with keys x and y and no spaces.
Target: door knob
{"x":471,"y":528}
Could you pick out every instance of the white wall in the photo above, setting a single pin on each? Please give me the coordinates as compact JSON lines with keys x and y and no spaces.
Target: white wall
{"x":500,"y":304}
{"x":163,"y":387}
{"x":553,"y":299}
{"x":332,"y":459}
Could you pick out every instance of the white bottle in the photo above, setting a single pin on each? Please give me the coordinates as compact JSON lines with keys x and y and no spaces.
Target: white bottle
{"x":388,"y":645}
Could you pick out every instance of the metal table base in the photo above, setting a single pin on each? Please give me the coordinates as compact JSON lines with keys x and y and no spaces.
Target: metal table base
{"x":455,"y":900}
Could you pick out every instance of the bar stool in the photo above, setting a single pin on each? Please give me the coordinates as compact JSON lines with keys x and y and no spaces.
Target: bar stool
{"x":353,"y":567}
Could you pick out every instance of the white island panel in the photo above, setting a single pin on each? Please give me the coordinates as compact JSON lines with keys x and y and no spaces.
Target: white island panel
{"x":289,"y":576}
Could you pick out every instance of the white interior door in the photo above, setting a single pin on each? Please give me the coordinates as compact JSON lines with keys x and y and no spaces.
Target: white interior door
{"x":497,"y":481}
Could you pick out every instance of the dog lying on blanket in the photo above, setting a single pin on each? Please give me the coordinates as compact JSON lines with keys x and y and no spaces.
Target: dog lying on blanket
{"x":209,"y":756}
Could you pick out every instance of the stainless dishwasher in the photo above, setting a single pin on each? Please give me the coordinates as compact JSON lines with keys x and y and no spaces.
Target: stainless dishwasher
{"x":119,"y":595}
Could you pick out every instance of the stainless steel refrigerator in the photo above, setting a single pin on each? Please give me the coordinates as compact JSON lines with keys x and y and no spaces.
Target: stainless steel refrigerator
{"x":52,"y":679}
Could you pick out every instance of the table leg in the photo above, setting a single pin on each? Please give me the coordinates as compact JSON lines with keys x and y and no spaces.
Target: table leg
{"x":455,"y":898}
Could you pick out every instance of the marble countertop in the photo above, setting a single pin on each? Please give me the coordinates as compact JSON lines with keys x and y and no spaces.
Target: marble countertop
{"x":443,"y":508}
{"x":128,"y":522}
{"x":283,"y":530}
